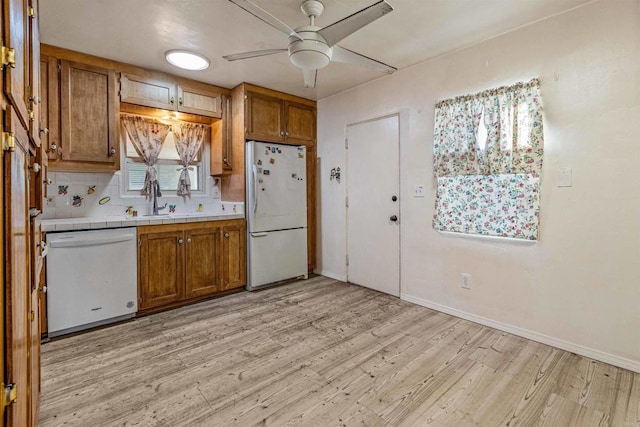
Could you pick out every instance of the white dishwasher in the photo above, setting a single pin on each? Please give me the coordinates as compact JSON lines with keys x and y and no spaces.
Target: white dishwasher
{"x":91,"y":278}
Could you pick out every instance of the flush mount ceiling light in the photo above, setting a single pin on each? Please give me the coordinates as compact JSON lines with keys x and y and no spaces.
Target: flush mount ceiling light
{"x":187,"y":60}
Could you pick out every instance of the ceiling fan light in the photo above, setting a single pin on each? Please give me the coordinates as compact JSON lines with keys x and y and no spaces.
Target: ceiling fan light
{"x":186,"y":60}
{"x":309,"y":60}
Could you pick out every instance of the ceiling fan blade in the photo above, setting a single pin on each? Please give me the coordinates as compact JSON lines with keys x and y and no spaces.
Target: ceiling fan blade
{"x":265,"y":16}
{"x":338,"y":30}
{"x":310,"y":77}
{"x":252,"y":54}
{"x":341,"y":54}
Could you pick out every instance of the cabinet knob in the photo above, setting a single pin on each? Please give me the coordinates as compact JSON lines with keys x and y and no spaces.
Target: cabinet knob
{"x":35,"y":99}
{"x":282,"y":133}
{"x":180,"y":241}
{"x":189,"y":240}
{"x":112,"y":152}
{"x":43,"y":289}
{"x":53,"y":147}
{"x":180,"y":101}
{"x":44,"y":130}
{"x":226,"y":235}
{"x":171,"y":101}
{"x":36,"y":167}
{"x":286,"y":134}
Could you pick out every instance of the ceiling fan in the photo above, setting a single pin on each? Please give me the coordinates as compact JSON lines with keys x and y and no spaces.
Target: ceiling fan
{"x":311,"y":47}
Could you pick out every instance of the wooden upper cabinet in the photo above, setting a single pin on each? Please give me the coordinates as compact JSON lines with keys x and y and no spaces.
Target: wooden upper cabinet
{"x":272,"y":119}
{"x":202,"y":261}
{"x":167,"y":95}
{"x":196,"y":100}
{"x":160,"y":268}
{"x":147,"y":91}
{"x":221,"y":143}
{"x":16,"y":37}
{"x":88,"y":114}
{"x":234,"y":255}
{"x":35,"y":99}
{"x":300,"y":125}
{"x":264,"y":119}
{"x":49,"y":107}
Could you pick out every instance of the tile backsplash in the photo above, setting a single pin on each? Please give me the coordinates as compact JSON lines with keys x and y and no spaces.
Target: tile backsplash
{"x":76,"y":195}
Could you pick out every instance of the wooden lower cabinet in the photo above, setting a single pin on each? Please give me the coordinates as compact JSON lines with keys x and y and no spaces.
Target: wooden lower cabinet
{"x":234,"y":256}
{"x":179,"y":263}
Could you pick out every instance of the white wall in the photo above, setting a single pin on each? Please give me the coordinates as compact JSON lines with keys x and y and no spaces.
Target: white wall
{"x":578,"y":287}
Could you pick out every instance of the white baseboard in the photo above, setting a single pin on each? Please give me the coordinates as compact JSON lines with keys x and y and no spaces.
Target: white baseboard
{"x":601,"y":356}
{"x":330,"y":275}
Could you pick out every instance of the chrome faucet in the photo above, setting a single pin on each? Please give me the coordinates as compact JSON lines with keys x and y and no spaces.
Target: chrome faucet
{"x":155,"y":193}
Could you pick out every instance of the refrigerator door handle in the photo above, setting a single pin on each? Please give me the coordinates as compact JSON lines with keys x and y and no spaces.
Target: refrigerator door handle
{"x":254,"y":169}
{"x":259,"y":234}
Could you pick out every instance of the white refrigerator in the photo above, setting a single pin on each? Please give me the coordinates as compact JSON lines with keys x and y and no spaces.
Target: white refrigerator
{"x":276,"y":213}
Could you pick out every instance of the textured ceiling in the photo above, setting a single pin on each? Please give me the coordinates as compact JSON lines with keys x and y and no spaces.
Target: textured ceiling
{"x":140,"y":31}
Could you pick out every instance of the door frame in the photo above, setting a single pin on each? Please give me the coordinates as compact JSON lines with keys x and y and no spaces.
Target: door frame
{"x":402,"y":124}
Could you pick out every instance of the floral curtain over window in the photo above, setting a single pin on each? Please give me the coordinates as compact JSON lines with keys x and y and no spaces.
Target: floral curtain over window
{"x":490,"y":187}
{"x":188,"y":138}
{"x":147,"y":136}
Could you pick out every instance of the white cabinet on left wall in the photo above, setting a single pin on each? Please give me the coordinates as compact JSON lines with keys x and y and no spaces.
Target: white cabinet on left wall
{"x":167,"y":95}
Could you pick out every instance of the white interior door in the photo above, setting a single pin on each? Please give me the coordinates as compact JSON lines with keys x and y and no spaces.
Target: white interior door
{"x":373,"y":212}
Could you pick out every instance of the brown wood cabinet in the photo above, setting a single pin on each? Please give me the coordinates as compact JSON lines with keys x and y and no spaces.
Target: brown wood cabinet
{"x":166,"y":94}
{"x":273,"y":119}
{"x":234,"y":255}
{"x":19,"y":137}
{"x":180,"y":263}
{"x":78,"y":122}
{"x":221,"y":144}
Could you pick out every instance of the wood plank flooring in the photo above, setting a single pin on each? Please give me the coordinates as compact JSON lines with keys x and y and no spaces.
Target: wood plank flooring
{"x":323,"y":353}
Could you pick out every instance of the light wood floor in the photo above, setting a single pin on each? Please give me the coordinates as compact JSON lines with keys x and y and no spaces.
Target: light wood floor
{"x":323,"y":353}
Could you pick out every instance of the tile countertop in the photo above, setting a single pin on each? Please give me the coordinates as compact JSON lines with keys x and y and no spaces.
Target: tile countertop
{"x":92,"y":223}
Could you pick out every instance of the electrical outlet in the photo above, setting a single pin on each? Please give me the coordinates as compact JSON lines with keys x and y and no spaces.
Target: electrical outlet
{"x":418,"y":190}
{"x":465,"y":281}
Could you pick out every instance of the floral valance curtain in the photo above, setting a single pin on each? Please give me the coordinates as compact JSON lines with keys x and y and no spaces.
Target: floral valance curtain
{"x":490,"y":186}
{"x":188,"y":138}
{"x":147,"y":136}
{"x":513,"y":122}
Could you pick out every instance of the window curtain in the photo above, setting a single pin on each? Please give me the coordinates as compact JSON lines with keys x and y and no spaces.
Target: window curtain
{"x":188,"y":138}
{"x":490,"y":187}
{"x":147,"y":136}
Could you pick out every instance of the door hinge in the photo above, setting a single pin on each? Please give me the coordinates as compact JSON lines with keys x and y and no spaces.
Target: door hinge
{"x":346,"y":144}
{"x":59,"y":67}
{"x":32,"y":315}
{"x":32,"y":115}
{"x":139,"y":242}
{"x":31,"y":12}
{"x":346,"y":259}
{"x":346,"y":202}
{"x":9,"y":395}
{"x":8,"y":141}
{"x":8,"y":56}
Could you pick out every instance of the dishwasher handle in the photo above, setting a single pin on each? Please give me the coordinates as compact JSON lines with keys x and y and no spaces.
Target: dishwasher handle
{"x":73,"y":243}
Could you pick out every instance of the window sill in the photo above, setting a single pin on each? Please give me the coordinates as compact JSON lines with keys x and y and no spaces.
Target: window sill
{"x":490,"y":238}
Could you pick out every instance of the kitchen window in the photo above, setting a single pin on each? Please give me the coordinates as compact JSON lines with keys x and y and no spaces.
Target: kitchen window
{"x":168,"y":167}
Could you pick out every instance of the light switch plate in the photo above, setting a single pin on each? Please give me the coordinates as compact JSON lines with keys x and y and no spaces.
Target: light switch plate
{"x":564,"y":177}
{"x":418,"y":190}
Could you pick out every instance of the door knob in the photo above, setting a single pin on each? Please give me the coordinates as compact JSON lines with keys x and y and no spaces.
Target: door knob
{"x":393,"y":218}
{"x":394,"y":198}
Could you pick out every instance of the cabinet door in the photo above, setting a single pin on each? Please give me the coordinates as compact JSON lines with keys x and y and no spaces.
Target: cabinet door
{"x":199,"y":101}
{"x":300,"y":126}
{"x":34,"y":73}
{"x":16,"y":267}
{"x":148,"y":92}
{"x":311,"y":207}
{"x":88,"y":114}
{"x":16,"y":36}
{"x":221,"y":143}
{"x":264,"y":118}
{"x":234,"y":254}
{"x":160,"y":269}
{"x":50,"y":107}
{"x":203,"y":261}
{"x":34,"y":356}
